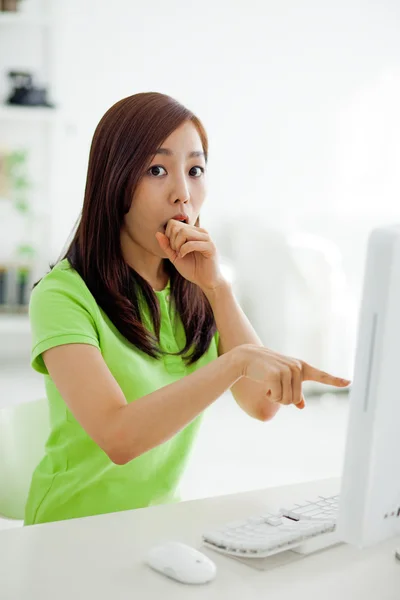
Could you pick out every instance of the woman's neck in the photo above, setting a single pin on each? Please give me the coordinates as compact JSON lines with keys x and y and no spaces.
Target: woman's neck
{"x":149,"y":266}
{"x":154,"y":274}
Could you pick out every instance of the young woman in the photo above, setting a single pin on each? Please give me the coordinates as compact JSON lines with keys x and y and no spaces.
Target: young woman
{"x":135,"y":329}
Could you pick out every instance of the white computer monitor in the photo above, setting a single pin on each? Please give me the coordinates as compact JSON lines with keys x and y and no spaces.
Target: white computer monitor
{"x":369,"y":508}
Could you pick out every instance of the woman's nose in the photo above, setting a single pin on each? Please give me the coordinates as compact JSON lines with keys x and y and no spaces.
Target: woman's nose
{"x":181,"y":200}
{"x":181,"y":193}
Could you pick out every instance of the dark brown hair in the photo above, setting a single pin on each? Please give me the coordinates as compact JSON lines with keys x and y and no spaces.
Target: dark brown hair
{"x":124,"y":142}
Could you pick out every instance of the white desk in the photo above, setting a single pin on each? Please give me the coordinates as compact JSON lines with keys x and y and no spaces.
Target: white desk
{"x":100,"y":558}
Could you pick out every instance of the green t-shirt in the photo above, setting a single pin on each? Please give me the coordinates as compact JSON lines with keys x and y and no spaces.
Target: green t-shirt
{"x":76,"y":478}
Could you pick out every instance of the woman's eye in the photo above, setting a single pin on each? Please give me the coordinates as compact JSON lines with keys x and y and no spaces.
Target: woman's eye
{"x":159,"y":171}
{"x":156,"y":171}
{"x":198,"y":173}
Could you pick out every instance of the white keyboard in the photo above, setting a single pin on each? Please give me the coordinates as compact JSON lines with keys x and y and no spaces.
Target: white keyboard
{"x":303,"y":528}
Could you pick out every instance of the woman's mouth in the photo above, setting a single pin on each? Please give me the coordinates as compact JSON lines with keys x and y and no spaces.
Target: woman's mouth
{"x":180,"y":217}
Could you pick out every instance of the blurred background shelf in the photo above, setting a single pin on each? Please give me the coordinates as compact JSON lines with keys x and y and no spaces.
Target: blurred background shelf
{"x":28,"y":114}
{"x":11,"y":18}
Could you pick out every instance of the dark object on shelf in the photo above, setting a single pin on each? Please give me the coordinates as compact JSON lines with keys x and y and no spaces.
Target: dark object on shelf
{"x":15,"y":287}
{"x":3,"y":284}
{"x":24,"y":93}
{"x":22,"y":285}
{"x":9,"y":5}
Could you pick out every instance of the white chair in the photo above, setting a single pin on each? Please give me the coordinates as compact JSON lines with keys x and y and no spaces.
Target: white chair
{"x":24,"y":430}
{"x":293,"y":287}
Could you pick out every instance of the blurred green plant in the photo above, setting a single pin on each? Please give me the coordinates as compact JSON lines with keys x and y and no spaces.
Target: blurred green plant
{"x":16,"y":164}
{"x":26,"y":251}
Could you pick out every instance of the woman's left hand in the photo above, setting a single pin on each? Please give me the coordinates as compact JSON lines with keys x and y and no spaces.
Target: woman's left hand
{"x":193,"y":253}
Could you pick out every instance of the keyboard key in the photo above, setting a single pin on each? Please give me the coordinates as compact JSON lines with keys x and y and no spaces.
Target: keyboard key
{"x":274,"y":521}
{"x":236,"y":524}
{"x":299,"y":511}
{"x":256,"y":520}
{"x":270,"y":515}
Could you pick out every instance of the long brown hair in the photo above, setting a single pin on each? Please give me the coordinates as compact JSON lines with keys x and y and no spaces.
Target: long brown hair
{"x":125,"y":140}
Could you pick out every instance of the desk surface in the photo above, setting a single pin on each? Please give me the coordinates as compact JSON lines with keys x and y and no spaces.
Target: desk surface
{"x":101,"y":557}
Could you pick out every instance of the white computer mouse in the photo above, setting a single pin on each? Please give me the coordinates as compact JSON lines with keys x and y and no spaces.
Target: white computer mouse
{"x":181,"y":562}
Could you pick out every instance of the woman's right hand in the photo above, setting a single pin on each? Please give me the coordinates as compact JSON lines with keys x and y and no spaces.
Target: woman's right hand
{"x":282,"y":375}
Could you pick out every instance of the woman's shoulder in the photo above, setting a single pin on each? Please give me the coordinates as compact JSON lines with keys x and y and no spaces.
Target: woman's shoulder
{"x":62,"y":281}
{"x":61,"y":311}
{"x":61,"y":275}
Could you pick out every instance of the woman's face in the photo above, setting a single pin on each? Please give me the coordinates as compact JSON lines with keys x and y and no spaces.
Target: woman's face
{"x":174,"y":183}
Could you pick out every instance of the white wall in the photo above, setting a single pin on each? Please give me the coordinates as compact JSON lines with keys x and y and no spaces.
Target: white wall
{"x":300,"y":98}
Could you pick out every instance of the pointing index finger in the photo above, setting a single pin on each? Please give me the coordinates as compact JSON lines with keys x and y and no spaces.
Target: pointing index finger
{"x":310,"y":373}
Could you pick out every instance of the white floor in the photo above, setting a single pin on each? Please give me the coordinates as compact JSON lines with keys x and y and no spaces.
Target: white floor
{"x":234,"y":452}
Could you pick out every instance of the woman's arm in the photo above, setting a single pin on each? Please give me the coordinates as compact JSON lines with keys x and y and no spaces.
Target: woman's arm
{"x":235,"y":329}
{"x":125,"y":431}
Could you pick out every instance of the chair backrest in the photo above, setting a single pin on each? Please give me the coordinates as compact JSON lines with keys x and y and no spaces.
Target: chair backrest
{"x":24,"y":430}
{"x":292,"y":286}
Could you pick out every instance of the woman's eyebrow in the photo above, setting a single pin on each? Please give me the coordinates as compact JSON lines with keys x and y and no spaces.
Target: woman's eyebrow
{"x":168,"y":152}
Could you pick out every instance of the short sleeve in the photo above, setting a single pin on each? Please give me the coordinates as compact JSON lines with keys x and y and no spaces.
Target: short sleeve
{"x":59,"y":314}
